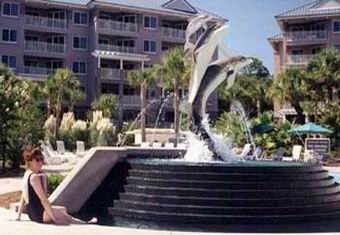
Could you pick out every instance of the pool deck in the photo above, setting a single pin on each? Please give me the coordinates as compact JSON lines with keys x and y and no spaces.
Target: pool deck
{"x":9,"y":226}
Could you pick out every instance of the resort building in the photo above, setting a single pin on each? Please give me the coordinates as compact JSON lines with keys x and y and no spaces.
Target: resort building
{"x":305,"y":31}
{"x":99,"y":40}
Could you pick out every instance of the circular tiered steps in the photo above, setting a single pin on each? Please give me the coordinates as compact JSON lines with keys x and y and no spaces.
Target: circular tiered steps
{"x":177,"y":192}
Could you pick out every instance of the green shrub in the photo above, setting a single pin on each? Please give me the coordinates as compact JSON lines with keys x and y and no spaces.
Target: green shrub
{"x":53,"y":182}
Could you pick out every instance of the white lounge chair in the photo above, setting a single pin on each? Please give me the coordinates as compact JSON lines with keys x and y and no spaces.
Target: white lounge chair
{"x":296,"y":152}
{"x":257,"y":155}
{"x":60,"y":147}
{"x":157,"y":145}
{"x":169,"y":145}
{"x":181,"y":146}
{"x":145,"y":145}
{"x":245,"y":151}
{"x":80,"y":152}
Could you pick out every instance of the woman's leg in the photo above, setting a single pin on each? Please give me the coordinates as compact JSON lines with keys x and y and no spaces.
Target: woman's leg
{"x":61,"y":211}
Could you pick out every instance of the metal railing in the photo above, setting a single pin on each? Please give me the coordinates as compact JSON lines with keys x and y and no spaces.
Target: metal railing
{"x":38,"y":70}
{"x":131,"y":100}
{"x":299,"y":59}
{"x":44,"y":47}
{"x":108,"y":47}
{"x":307,"y":36}
{"x":112,"y":25}
{"x":173,"y":33}
{"x":113,"y":74}
{"x":45,"y":22}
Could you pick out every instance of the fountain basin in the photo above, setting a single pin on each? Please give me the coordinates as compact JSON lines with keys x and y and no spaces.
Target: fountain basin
{"x":175,"y":192}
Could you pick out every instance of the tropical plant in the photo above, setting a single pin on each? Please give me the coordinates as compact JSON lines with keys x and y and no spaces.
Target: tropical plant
{"x":20,"y":117}
{"x":174,"y":70}
{"x":291,"y":86}
{"x":250,"y":88}
{"x":324,"y":72}
{"x":230,"y":125}
{"x":101,"y":130}
{"x":106,"y":104}
{"x":142,"y":79}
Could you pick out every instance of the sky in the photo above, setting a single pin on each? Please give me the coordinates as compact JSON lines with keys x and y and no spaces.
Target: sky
{"x":251,"y":22}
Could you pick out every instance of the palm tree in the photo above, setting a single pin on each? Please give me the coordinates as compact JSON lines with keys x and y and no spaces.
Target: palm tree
{"x":291,"y":86}
{"x":49,"y":93}
{"x":63,"y":79}
{"x":174,"y":71}
{"x":74,"y":94}
{"x":324,"y":71}
{"x":142,"y":79}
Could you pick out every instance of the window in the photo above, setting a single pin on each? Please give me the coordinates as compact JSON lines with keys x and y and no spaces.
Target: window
{"x":336,"y":26}
{"x":150,"y":22}
{"x":80,"y":43}
{"x":297,"y":52}
{"x":9,"y":61}
{"x":10,"y":9}
{"x":149,"y":46}
{"x":79,"y":67}
{"x":80,"y":18}
{"x":127,"y":19}
{"x":9,"y":35}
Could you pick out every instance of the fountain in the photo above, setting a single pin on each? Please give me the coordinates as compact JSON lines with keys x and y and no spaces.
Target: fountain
{"x":148,"y":187}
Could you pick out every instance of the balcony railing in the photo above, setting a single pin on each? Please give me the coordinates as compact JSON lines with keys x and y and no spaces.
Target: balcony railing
{"x":38,"y":70}
{"x":45,"y":22}
{"x":108,"y":47}
{"x":307,"y":36}
{"x":173,"y":33}
{"x":113,"y":74}
{"x":114,"y":26}
{"x":44,"y":47}
{"x":132,"y":100}
{"x":299,"y":59}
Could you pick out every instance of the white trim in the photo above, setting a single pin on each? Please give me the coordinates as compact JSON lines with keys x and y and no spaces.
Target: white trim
{"x":10,"y":16}
{"x":80,"y":49}
{"x":9,"y":42}
{"x":150,"y":28}
{"x":81,"y":12}
{"x":149,"y":52}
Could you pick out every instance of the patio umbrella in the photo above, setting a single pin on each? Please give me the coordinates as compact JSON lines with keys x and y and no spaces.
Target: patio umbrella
{"x":262,"y":128}
{"x":310,"y":128}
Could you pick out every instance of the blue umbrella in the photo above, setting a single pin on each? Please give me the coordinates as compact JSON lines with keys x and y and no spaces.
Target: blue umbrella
{"x":310,"y":128}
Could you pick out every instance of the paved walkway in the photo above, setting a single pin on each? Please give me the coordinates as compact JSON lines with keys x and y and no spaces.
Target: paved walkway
{"x":9,"y":226}
{"x":11,"y":184}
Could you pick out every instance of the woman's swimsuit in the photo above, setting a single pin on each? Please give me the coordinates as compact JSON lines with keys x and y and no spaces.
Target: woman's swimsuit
{"x":34,"y":208}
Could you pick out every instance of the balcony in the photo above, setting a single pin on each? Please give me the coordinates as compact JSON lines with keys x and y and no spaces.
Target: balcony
{"x":113,"y":74}
{"x":307,"y":36}
{"x":122,"y":49}
{"x":111,"y":27}
{"x":44,"y":47}
{"x":42,"y":71}
{"x":132,"y":101}
{"x":45,"y":22}
{"x":299,"y":60}
{"x":172,"y":33}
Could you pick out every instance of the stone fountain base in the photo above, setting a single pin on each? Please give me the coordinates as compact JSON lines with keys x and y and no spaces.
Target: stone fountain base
{"x":254,"y":192}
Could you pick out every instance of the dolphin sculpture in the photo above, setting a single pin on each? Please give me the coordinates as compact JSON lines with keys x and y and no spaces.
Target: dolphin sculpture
{"x":207,"y":74}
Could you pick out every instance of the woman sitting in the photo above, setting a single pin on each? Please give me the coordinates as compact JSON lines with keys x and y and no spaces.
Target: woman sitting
{"x":34,"y":194}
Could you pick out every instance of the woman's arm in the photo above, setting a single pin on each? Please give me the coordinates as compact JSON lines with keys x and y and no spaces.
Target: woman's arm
{"x":38,"y":188}
{"x":21,"y":206}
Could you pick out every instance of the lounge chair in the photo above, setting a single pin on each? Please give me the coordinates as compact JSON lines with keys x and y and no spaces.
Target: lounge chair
{"x":181,"y":146}
{"x":145,"y":145}
{"x":245,"y":151}
{"x":258,"y":153}
{"x":157,"y":145}
{"x":80,"y":152}
{"x":278,"y":156}
{"x":60,"y":147}
{"x":169,"y":145}
{"x":296,"y":153}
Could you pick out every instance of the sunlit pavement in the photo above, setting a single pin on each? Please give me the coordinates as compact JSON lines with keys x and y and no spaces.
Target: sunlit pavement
{"x":9,"y":226}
